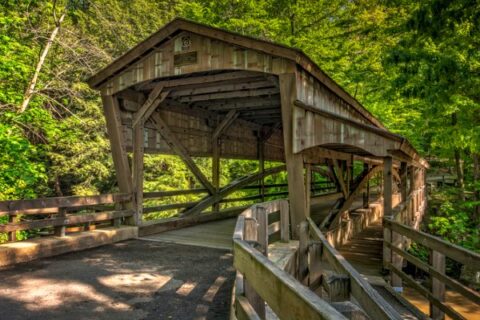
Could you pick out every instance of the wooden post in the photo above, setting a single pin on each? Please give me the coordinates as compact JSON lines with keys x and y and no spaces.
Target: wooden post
{"x":308,"y":186}
{"x":12,"y":235}
{"x":387,"y":186}
{"x":216,"y":168}
{"x":403,"y":181}
{"x":251,"y":234}
{"x":294,"y":162}
{"x":284,"y":221}
{"x":302,"y":275}
{"x":117,"y":145}
{"x":437,"y":261}
{"x":412,"y":179}
{"x":262,"y":229}
{"x":60,"y":230}
{"x":366,"y":193}
{"x":261,"y":167}
{"x":387,"y":206}
{"x":138,"y":150}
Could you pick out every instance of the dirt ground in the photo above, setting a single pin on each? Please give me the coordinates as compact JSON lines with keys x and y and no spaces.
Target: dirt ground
{"x":129,"y":280}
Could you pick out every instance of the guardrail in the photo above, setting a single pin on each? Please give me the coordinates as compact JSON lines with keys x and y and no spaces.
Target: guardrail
{"x":259,"y":280}
{"x":57,"y":213}
{"x":317,"y":188}
{"x":343,"y":281}
{"x":436,"y":268}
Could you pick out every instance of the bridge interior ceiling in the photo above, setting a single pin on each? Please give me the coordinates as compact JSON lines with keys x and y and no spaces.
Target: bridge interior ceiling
{"x":239,"y":108}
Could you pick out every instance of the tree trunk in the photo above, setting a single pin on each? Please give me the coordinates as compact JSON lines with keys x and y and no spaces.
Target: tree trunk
{"x":33,"y":82}
{"x":458,"y":164}
{"x":476,"y":181}
{"x":459,"y":169}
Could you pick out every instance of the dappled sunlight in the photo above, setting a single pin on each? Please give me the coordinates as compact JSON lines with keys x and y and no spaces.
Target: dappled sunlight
{"x":141,"y":283}
{"x":37,"y":294}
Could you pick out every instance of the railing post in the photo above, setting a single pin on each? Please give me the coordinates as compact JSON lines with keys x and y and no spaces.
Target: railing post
{"x":284,"y":221}
{"x":60,"y":230}
{"x":251,"y":234}
{"x":437,"y":260}
{"x":12,"y":235}
{"x":262,"y":229}
{"x":303,"y":253}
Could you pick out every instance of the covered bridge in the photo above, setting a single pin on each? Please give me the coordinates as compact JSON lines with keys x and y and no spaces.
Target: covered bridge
{"x":318,"y":250}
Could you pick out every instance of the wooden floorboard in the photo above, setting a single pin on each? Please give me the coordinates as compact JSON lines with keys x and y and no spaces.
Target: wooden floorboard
{"x":217,"y":234}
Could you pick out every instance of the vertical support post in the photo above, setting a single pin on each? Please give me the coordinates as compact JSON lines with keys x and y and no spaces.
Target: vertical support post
{"x":261,"y":167}
{"x":366,"y":193}
{"x":437,"y":261}
{"x":303,"y":253}
{"x":404,"y":191}
{"x":308,"y":186}
{"x":387,"y":206}
{"x":117,"y":144}
{"x":294,"y":162}
{"x":412,"y":179}
{"x":284,"y":221}
{"x":251,"y":234}
{"x":387,"y":186}
{"x":262,"y":230}
{"x":12,"y":235}
{"x":60,"y":230}
{"x":216,"y":168}
{"x":138,"y":150}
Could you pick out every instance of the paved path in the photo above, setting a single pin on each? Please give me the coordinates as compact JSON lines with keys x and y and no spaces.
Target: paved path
{"x":130,"y":280}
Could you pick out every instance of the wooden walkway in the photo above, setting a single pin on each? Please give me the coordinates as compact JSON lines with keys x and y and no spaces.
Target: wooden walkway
{"x":216,"y":235}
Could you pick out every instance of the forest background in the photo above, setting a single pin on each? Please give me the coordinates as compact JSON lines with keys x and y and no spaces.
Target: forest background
{"x":414,"y":64}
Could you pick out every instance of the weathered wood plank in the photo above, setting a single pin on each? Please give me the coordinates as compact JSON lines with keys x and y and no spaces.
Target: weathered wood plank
{"x":294,"y":162}
{"x":175,"y":144}
{"x":285,"y":296}
{"x":64,"y":221}
{"x":17,"y":206}
{"x":451,"y":250}
{"x":368,"y":298}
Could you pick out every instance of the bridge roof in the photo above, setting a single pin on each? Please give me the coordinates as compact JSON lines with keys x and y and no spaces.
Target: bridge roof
{"x":143,"y":56}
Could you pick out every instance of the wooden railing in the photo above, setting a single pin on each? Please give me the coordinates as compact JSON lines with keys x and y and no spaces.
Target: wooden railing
{"x":436,"y":268}
{"x":259,"y":280}
{"x":55,"y":214}
{"x":320,"y":265}
{"x":318,"y":188}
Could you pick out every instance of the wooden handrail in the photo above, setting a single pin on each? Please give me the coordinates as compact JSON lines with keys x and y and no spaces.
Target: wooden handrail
{"x":283,"y":294}
{"x":439,"y":249}
{"x":451,"y":250}
{"x":60,"y":207}
{"x":368,"y":298}
{"x":16,"y":206}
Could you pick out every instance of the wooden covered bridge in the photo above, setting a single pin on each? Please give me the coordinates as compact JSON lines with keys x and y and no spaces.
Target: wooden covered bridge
{"x":332,"y":245}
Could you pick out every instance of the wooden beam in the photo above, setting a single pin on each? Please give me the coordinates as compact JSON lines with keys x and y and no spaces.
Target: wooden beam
{"x":232,"y":187}
{"x":137,"y":163}
{"x":353,"y":195}
{"x":240,"y":104}
{"x":219,"y":78}
{"x":117,"y":143}
{"x":281,"y":291}
{"x":179,"y":149}
{"x":224,"y":124}
{"x":229,"y":95}
{"x":340,"y":178}
{"x":154,"y":99}
{"x":221,"y":87}
{"x":294,"y":162}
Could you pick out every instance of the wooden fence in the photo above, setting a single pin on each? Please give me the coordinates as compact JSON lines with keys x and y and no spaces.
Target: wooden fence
{"x":259,"y":280}
{"x":436,"y":268}
{"x":320,"y":265}
{"x":54,"y":215}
